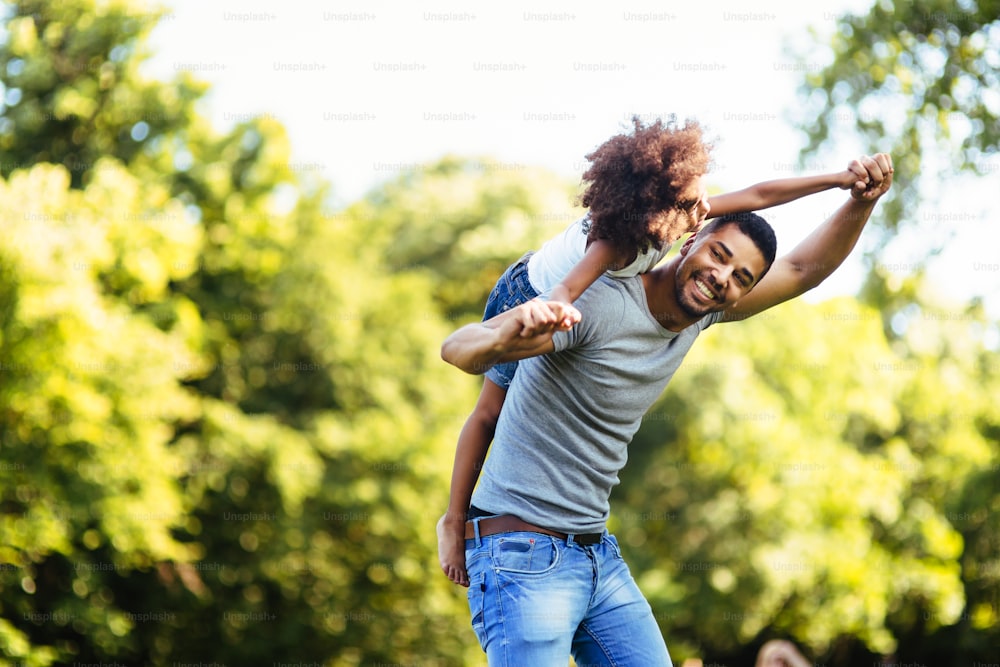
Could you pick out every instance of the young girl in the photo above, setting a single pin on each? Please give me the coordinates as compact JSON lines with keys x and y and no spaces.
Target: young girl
{"x":643,"y":191}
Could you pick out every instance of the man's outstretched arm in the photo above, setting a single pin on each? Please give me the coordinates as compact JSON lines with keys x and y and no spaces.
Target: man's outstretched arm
{"x":519,"y":333}
{"x":825,"y":249}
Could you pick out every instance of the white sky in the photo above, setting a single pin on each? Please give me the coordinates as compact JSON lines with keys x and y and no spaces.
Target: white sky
{"x":366,"y":87}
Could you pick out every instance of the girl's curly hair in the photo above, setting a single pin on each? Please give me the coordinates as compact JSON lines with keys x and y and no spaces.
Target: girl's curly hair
{"x":638,"y":184}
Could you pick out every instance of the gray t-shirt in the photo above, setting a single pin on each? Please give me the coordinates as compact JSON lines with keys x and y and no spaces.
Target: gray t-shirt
{"x":569,"y":415}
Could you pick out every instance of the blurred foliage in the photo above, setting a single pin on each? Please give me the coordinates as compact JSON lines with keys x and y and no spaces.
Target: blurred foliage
{"x":72,"y":89}
{"x":226,"y":434}
{"x":919,"y":80}
{"x":842,"y":495}
{"x":485,"y":214}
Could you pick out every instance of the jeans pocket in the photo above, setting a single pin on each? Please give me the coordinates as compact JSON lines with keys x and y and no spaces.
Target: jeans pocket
{"x":526,"y":554}
{"x":616,"y":549}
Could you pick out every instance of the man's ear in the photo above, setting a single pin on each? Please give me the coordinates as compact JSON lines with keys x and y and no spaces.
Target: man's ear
{"x":688,"y":243}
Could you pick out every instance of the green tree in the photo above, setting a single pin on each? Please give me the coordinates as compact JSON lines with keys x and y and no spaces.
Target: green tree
{"x":463,"y":221}
{"x":225,"y":419}
{"x":916,"y":79}
{"x":225,"y":433}
{"x":72,"y":93}
{"x":85,"y":451}
{"x":812,"y":490}
{"x":919,"y":80}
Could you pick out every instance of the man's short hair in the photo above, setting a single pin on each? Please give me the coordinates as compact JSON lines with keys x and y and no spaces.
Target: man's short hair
{"x":757,"y":228}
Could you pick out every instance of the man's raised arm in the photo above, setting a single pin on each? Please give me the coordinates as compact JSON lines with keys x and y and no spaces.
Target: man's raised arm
{"x":525,"y":331}
{"x":820,"y":253}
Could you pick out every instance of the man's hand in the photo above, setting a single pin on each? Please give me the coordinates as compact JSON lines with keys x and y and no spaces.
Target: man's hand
{"x":879,"y":177}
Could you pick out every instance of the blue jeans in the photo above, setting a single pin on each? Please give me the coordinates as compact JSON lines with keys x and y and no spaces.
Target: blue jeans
{"x":512,"y":289}
{"x":536,"y":599}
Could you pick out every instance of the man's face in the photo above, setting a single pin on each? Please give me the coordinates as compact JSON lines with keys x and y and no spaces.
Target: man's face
{"x":717,"y":269}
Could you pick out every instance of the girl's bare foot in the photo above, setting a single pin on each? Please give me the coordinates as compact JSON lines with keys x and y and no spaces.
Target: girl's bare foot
{"x":451,"y":549}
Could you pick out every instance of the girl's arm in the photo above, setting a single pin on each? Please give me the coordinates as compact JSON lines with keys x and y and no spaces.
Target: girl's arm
{"x":473,"y":444}
{"x":783,"y":190}
{"x":518,"y":333}
{"x":819,"y":254}
{"x":601,"y":256}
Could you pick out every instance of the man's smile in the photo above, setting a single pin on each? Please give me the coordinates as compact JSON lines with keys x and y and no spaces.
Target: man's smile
{"x":705,"y":290}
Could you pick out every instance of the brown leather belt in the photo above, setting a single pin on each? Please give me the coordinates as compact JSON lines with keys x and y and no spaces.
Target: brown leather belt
{"x":510,"y":524}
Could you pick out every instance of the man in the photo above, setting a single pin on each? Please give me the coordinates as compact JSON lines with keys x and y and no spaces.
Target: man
{"x":546,"y":579}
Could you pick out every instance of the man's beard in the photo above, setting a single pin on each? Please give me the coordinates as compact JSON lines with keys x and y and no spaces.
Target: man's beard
{"x":686,"y":304}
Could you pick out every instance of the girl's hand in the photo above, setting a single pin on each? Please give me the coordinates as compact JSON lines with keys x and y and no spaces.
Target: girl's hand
{"x":855,"y":176}
{"x":879,"y":170}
